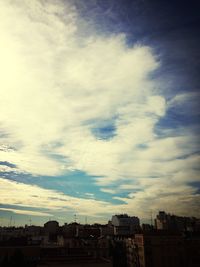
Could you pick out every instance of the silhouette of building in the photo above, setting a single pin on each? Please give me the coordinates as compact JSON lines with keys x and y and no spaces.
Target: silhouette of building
{"x":175,"y":242}
{"x":51,"y":227}
{"x":107,"y":230}
{"x":166,"y":221}
{"x":156,"y":249}
{"x":125,"y":225}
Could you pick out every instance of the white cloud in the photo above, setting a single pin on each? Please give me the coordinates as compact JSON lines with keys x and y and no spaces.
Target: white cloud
{"x":108,"y":190}
{"x":138,"y":203}
{"x":20,"y":194}
{"x":56,"y":85}
{"x":27,"y":212}
{"x":185,"y":103}
{"x":89,"y":195}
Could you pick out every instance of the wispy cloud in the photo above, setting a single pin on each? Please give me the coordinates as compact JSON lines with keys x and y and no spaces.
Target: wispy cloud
{"x":57,"y":85}
{"x":27,"y":212}
{"x":186,"y":103}
{"x":108,"y":190}
{"x":24,"y":195}
{"x":63,"y":83}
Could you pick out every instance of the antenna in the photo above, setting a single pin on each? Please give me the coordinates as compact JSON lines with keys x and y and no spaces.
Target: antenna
{"x":10,"y":221}
{"x":75,"y":218}
{"x":1,"y":221}
{"x":30,"y":221}
{"x":151,"y":219}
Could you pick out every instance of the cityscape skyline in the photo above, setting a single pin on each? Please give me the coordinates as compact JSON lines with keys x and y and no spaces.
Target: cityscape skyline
{"x":172,"y":241}
{"x":161,"y":221}
{"x":99,"y":109}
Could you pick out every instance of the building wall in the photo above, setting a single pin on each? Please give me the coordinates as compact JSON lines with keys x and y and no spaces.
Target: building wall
{"x":125,"y":225}
{"x":159,"y":250}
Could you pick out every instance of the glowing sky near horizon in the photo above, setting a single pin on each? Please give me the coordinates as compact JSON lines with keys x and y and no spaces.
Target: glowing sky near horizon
{"x":98,"y":110}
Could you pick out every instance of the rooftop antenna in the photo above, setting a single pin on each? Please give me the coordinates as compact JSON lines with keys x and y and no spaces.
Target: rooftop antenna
{"x":30,"y":221}
{"x":75,"y":218}
{"x":1,"y":221}
{"x":10,"y":221}
{"x":151,"y":219}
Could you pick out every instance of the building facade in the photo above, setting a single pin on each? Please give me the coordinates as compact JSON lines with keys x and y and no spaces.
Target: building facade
{"x":125,"y":225}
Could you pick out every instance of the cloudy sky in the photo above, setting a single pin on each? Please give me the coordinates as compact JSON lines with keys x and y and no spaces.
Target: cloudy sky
{"x":98,"y":109}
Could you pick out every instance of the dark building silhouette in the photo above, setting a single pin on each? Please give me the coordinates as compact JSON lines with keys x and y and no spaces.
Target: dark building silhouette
{"x":174,"y":242}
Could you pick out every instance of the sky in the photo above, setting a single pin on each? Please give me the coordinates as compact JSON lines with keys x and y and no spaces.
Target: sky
{"x":98,"y":109}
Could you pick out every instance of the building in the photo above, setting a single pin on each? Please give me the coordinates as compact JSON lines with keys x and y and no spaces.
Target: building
{"x":192,"y":249}
{"x":70,"y":230}
{"x":125,"y":225}
{"x":19,"y":255}
{"x":51,"y":229}
{"x":162,"y":221}
{"x":156,"y":249}
{"x":88,"y":231}
{"x":107,"y":230}
{"x":131,"y":253}
{"x":166,"y":221}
